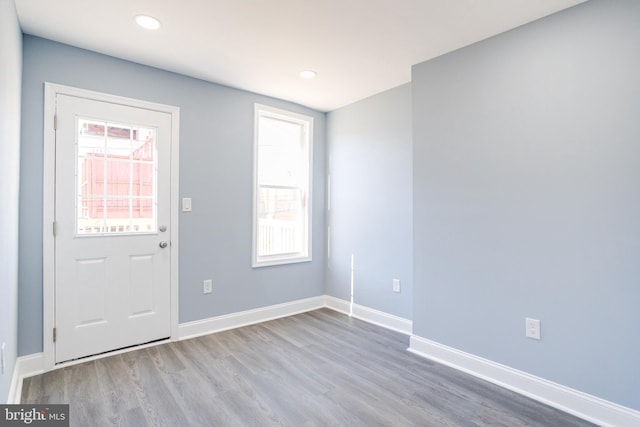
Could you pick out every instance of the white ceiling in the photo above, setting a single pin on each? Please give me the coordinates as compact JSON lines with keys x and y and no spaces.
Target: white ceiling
{"x":357,"y":47}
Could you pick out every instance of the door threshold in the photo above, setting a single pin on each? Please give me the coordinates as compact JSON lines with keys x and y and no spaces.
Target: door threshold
{"x":109,"y":353}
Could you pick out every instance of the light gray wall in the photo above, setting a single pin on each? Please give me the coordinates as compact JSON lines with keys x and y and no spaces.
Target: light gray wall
{"x":527,"y":198}
{"x":10,"y":78}
{"x":369,"y":152}
{"x":216,"y":171}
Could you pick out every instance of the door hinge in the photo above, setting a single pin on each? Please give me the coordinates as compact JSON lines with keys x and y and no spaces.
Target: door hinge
{"x":55,"y":228}
{"x":54,"y":335}
{"x":55,"y":122}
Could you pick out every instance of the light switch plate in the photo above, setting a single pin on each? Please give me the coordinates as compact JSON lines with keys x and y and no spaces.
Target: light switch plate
{"x":532,"y":328}
{"x":186,"y":204}
{"x":207,"y":286}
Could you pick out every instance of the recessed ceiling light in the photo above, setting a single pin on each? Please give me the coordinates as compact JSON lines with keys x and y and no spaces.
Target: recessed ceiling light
{"x":308,"y":74}
{"x":148,"y":22}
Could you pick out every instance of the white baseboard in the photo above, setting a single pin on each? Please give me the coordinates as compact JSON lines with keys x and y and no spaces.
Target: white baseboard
{"x":572,"y":401}
{"x":26,"y":366}
{"x":590,"y":408}
{"x":370,"y":315}
{"x":337,"y":304}
{"x":264,"y":314}
{"x":249,"y":317}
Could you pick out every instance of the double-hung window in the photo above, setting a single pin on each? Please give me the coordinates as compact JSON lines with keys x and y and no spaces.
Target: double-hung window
{"x":282,"y":189}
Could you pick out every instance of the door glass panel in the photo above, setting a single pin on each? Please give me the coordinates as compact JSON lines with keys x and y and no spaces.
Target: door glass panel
{"x":116,"y":178}
{"x":117,"y":219}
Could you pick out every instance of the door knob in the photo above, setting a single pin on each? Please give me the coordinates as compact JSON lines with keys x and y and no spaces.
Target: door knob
{"x":163,"y":244}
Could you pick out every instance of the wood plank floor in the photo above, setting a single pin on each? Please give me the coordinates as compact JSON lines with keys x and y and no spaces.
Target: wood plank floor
{"x":319,"y":368}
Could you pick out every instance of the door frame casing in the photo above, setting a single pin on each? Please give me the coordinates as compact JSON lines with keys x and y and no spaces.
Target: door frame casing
{"x":51,"y":90}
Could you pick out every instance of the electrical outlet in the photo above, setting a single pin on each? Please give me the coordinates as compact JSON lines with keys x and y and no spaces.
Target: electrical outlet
{"x":396,"y":285}
{"x":532,"y":328}
{"x":207,"y":286}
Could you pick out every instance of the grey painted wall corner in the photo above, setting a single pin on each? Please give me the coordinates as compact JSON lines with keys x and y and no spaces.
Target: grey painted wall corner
{"x":370,"y":215}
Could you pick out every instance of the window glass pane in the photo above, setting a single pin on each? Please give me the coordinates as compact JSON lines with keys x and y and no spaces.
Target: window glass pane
{"x":143,"y":144}
{"x":91,"y":140}
{"x":142,"y":179}
{"x":90,"y":215}
{"x":143,"y":214}
{"x":279,"y":220}
{"x":91,"y":176}
{"x":118,"y":141}
{"x":117,"y":214}
{"x":116,"y":178}
{"x":280,"y":152}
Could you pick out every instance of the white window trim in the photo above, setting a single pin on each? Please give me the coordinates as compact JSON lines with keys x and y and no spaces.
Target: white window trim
{"x":307,"y":121}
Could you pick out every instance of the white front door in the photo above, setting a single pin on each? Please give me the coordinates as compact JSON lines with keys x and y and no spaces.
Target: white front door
{"x":112,"y":219}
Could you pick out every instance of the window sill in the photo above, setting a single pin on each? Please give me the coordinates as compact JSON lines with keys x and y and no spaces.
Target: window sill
{"x":272,"y":261}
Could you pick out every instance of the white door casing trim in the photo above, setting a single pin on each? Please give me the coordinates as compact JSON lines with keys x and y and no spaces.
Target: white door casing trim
{"x":48,"y":241}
